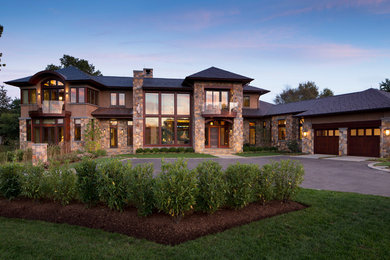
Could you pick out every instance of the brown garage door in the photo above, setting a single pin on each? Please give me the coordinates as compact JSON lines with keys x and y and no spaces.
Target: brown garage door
{"x":364,"y":141}
{"x":326,"y":141}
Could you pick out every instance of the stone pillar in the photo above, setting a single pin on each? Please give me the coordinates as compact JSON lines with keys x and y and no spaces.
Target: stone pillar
{"x":197,"y":119}
{"x":39,"y":153}
{"x":343,"y":141}
{"x":23,"y":133}
{"x":138,"y":110}
{"x":238,"y":124}
{"x":308,"y":140}
{"x":385,"y":139}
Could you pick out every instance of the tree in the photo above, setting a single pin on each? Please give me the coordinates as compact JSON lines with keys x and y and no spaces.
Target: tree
{"x":4,"y":100}
{"x":385,"y":85}
{"x":81,"y":64}
{"x":305,"y":91}
{"x":9,"y":117}
{"x":93,"y":135}
{"x":1,"y":54}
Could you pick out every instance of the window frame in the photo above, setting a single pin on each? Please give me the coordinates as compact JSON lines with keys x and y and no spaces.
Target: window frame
{"x":115,"y":127}
{"x":281,"y":127}
{"x":117,"y":93}
{"x":252,"y":126}
{"x":29,"y":96}
{"x":77,"y":126}
{"x":130,"y":133}
{"x":249,"y":101}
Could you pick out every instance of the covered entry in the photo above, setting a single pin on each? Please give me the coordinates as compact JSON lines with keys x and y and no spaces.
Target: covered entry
{"x":217,"y":133}
{"x":326,"y":141}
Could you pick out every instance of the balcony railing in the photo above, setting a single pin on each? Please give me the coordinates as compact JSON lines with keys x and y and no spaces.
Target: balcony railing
{"x":220,"y":108}
{"x":52,"y":107}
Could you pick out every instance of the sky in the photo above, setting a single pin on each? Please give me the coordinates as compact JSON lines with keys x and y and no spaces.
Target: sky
{"x":343,"y":45}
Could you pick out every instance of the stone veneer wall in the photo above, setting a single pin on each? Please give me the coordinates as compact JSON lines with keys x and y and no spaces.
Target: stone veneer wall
{"x":122,"y":137}
{"x":138,"y":110}
{"x":260,"y":140}
{"x":78,"y":145}
{"x":198,"y":121}
{"x":238,"y":124}
{"x":385,"y":140}
{"x":308,"y":140}
{"x":343,"y":141}
{"x":292,"y":131}
{"x":39,"y":153}
{"x":23,"y":133}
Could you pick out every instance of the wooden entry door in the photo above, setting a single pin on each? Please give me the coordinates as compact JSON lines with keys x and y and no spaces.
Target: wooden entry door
{"x":214,"y":137}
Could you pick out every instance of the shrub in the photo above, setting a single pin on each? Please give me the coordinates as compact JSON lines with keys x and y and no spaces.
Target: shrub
{"x":181,"y":149}
{"x":100,"y":152}
{"x":54,"y":152}
{"x":27,"y":157}
{"x":259,"y":149}
{"x":32,"y":182}
{"x":176,"y":189}
{"x":139,"y":150}
{"x":287,"y":177}
{"x":60,"y":184}
{"x":140,"y":185}
{"x":112,"y":184}
{"x":10,"y":156}
{"x":173,"y":150}
{"x":252,"y":149}
{"x":164,"y":150}
{"x":189,"y":150}
{"x":240,"y":180}
{"x":212,"y":186}
{"x":293,"y":146}
{"x":10,"y":180}
{"x":148,"y":150}
{"x":19,"y":154}
{"x":155,"y":150}
{"x":264,"y":183}
{"x":246,"y":148}
{"x":87,"y":181}
{"x":3,"y":157}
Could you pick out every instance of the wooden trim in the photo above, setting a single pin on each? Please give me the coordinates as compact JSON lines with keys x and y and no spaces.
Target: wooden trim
{"x":370,"y":123}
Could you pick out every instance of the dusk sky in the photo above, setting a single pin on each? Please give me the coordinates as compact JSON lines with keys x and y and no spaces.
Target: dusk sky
{"x":339,"y":44}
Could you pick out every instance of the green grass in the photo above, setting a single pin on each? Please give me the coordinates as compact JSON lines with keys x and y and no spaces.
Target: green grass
{"x":336,"y":226}
{"x":383,"y":164}
{"x":166,"y":155}
{"x":253,"y":154}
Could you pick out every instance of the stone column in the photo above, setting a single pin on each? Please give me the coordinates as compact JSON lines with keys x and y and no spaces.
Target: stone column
{"x":238,"y":124}
{"x":138,"y":110}
{"x":39,"y":153}
{"x":385,"y":139}
{"x":308,"y":140}
{"x":197,"y":119}
{"x":23,"y":133}
{"x":343,"y":141}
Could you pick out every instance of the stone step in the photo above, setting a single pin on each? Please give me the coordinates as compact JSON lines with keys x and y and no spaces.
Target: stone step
{"x":219,"y":151}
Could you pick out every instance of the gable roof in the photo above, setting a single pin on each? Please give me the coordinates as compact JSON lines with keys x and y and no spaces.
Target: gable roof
{"x":367,"y":100}
{"x":216,"y":74}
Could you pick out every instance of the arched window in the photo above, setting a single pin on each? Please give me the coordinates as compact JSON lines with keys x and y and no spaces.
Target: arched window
{"x":53,"y":90}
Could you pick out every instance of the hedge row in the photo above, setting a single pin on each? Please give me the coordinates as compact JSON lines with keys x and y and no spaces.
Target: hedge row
{"x":176,"y":191}
{"x":247,"y":148}
{"x":166,"y":150}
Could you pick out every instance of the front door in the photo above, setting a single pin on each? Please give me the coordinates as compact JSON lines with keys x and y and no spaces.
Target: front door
{"x":214,"y":137}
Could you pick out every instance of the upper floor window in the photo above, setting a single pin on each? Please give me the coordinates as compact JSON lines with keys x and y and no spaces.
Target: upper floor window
{"x":53,"y":90}
{"x":83,"y":95}
{"x":117,"y":99}
{"x":217,"y":98}
{"x":52,"y":83}
{"x":29,"y":96}
{"x":246,"y":102}
{"x":282,"y":129}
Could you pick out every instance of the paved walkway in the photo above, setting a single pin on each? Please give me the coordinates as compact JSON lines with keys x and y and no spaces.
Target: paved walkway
{"x":337,"y":175}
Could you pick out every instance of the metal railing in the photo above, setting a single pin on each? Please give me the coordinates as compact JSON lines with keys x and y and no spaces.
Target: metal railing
{"x":52,"y":106}
{"x":218,"y":108}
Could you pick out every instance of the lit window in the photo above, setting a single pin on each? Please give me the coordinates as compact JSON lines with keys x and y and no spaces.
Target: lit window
{"x":282,"y":129}
{"x":77,"y":129}
{"x":252,"y":133}
{"x":247,"y":101}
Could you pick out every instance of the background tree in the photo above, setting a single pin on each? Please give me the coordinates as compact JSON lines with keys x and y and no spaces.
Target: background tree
{"x":4,"y":100}
{"x":81,"y":64}
{"x":385,"y":85}
{"x":305,"y":91}
{"x":1,"y":54}
{"x":9,"y":122}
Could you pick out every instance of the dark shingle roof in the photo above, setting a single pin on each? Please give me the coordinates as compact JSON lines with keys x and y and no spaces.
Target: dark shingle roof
{"x":214,"y":73}
{"x":252,"y":89}
{"x":163,"y":83}
{"x":114,"y":81}
{"x":264,"y":107}
{"x":113,"y":112}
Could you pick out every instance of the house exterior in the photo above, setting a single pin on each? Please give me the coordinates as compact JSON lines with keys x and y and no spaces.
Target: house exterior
{"x":212,"y":111}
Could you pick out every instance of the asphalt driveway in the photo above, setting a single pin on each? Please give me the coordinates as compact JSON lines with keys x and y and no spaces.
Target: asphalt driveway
{"x":319,"y":173}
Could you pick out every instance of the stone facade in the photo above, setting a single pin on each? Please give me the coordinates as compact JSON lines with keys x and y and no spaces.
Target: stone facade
{"x":122,"y":137}
{"x":198,"y":121}
{"x":263,"y":135}
{"x":308,"y":140}
{"x":343,"y":141}
{"x":78,"y":145}
{"x":39,"y":153}
{"x":138,"y":110}
{"x":238,"y":124}
{"x":385,"y":139}
{"x":292,"y":131}
{"x":23,"y":133}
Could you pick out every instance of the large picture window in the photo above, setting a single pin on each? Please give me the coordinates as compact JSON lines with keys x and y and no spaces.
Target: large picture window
{"x":252,"y":133}
{"x":113,"y":134}
{"x":282,"y":129}
{"x":47,"y":130}
{"x":167,"y":119}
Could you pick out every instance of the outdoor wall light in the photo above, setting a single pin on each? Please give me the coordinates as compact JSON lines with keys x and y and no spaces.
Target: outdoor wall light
{"x":304,"y":134}
{"x":387,"y":132}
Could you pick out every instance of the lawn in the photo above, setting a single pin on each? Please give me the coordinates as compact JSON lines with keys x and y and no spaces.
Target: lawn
{"x":253,"y":154}
{"x":166,"y":155}
{"x":383,"y":164}
{"x":337,"y":225}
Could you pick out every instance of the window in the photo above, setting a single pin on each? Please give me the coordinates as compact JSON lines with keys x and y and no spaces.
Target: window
{"x":151,"y":103}
{"x":217,"y":98}
{"x":167,"y":119}
{"x":77,"y":129}
{"x":301,"y":121}
{"x":121,"y":99}
{"x":252,"y":133}
{"x":247,"y":101}
{"x":81,"y":98}
{"x":129,"y":133}
{"x":53,"y":90}
{"x":92,"y":96}
{"x":282,"y":129}
{"x":365,"y":132}
{"x":113,"y":134}
{"x":48,"y":130}
{"x":78,"y":95}
{"x":264,"y":129}
{"x":117,"y":99}
{"x":28,"y":126}
{"x":353,"y":132}
{"x":29,"y":96}
{"x":113,"y":99}
{"x":52,"y":83}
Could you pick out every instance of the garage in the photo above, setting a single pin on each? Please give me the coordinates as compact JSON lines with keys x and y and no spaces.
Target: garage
{"x":326,"y":141}
{"x":364,"y":141}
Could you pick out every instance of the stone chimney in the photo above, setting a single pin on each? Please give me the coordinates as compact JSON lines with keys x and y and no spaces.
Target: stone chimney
{"x":138,"y":109}
{"x":148,"y":73}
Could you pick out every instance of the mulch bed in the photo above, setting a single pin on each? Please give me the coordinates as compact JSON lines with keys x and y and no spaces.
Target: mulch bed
{"x":158,"y":227}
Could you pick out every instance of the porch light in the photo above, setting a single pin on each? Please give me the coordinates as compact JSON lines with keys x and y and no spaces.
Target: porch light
{"x":387,"y":132}
{"x":304,"y":134}
{"x":211,"y":123}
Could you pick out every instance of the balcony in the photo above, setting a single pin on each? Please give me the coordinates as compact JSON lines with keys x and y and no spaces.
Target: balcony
{"x":220,"y":109}
{"x":52,"y":107}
